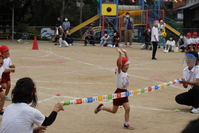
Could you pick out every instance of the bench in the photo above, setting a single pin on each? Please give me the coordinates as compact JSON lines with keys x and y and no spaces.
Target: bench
{"x":4,"y":36}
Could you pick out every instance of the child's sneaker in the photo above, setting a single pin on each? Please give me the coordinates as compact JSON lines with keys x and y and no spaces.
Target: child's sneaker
{"x":98,"y":109}
{"x":7,"y":98}
{"x":195,"y":110}
{"x":129,"y":127}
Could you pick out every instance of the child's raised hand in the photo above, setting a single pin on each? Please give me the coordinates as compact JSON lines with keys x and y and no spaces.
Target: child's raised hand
{"x":123,"y":50}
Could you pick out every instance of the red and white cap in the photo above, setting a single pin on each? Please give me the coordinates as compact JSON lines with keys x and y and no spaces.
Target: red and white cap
{"x":125,"y":61}
{"x":4,"y":48}
{"x":195,"y":33}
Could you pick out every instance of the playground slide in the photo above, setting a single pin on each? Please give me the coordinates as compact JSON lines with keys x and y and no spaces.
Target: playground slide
{"x":84,"y":23}
{"x":172,"y":29}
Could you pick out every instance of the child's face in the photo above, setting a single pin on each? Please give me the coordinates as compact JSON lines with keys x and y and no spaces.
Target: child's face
{"x":190,"y":61}
{"x":6,"y":54}
{"x":125,"y":68}
{"x":1,"y":61}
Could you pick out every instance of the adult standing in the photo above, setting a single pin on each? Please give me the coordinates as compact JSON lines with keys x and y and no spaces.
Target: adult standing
{"x":154,"y":38}
{"x":161,"y":29}
{"x":56,"y":32}
{"x":128,"y":29}
{"x":66,"y":24}
{"x":190,"y":78}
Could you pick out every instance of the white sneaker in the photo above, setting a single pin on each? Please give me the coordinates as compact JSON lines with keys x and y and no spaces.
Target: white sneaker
{"x":195,"y":110}
{"x":167,"y":51}
{"x":131,"y":46}
{"x":114,"y":46}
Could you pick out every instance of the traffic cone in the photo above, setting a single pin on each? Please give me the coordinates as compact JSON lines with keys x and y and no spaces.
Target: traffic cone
{"x":35,"y":44}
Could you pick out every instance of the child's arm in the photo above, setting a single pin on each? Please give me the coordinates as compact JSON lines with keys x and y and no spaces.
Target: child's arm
{"x":12,"y":66}
{"x":119,"y":63}
{"x":125,"y":53}
{"x":9,"y":70}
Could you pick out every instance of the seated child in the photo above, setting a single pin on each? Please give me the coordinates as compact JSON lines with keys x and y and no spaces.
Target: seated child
{"x":115,"y":39}
{"x":170,"y":44}
{"x":104,"y":39}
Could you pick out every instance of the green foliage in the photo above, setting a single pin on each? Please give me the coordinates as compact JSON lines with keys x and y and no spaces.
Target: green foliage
{"x":34,"y":32}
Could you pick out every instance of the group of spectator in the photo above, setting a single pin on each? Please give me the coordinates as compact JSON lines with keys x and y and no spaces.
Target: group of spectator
{"x":62,"y":33}
{"x":114,"y":38}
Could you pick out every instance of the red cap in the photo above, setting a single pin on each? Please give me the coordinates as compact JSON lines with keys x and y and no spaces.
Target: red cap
{"x":125,"y":61}
{"x":4,"y":48}
{"x":195,"y":33}
{"x":188,"y":34}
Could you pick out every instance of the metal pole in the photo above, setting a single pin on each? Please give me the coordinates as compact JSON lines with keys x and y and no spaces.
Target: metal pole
{"x":80,"y":19}
{"x":13,"y":24}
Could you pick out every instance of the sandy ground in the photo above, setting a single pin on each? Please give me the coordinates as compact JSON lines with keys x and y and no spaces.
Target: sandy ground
{"x":80,"y":72}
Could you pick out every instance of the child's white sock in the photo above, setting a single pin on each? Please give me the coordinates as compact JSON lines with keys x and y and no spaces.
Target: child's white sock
{"x":102,"y":107}
{"x":126,"y":123}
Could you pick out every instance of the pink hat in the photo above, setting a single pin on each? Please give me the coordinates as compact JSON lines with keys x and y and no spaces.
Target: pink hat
{"x":125,"y":61}
{"x":188,"y":34}
{"x":195,"y":33}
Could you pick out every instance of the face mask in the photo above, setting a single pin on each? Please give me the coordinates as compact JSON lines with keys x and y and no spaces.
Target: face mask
{"x":115,"y":34}
{"x":149,"y":30}
{"x":181,"y":37}
{"x":105,"y":34}
{"x":60,"y":27}
{"x":66,"y":19}
{"x":170,"y":39}
{"x":127,"y":16}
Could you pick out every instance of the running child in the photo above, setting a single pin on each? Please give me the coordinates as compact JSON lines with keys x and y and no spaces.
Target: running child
{"x":2,"y":94}
{"x":122,"y":80}
{"x":9,"y":67}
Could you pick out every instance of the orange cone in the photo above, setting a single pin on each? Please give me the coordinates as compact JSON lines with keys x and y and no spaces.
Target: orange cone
{"x":35,"y":44}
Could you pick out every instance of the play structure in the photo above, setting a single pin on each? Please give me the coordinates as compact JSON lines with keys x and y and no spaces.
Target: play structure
{"x":110,"y":17}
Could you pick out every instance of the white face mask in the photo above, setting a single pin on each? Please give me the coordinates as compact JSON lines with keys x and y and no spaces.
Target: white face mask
{"x":105,"y":34}
{"x":149,"y":30}
{"x":127,"y":16}
{"x":60,"y":27}
{"x":181,"y":37}
{"x":170,"y":39}
{"x":115,"y":34}
{"x":66,"y":19}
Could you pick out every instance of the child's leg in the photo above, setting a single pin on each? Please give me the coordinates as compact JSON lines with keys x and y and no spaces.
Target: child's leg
{"x":127,"y":111}
{"x":8,"y":85}
{"x":111,"y":110}
{"x":126,"y":116}
{"x":60,"y":42}
{"x":2,"y":100}
{"x":65,"y":43}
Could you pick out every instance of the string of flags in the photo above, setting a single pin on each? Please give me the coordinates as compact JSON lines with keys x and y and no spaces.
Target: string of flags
{"x":119,"y":95}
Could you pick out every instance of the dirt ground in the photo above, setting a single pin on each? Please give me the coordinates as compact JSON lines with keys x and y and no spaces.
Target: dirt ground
{"x":80,"y":72}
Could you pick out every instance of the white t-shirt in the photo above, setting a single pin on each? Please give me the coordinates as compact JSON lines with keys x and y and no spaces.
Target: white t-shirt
{"x":20,"y":118}
{"x":154,"y":32}
{"x":195,"y":40}
{"x":122,"y":80}
{"x":189,"y":41}
{"x":7,"y":62}
{"x":171,"y":43}
{"x":191,"y":75}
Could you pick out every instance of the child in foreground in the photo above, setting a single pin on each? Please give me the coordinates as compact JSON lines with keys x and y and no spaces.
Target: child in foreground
{"x":122,"y":81}
{"x":20,"y":116}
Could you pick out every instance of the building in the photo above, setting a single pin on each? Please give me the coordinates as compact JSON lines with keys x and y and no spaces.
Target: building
{"x":189,"y":13}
